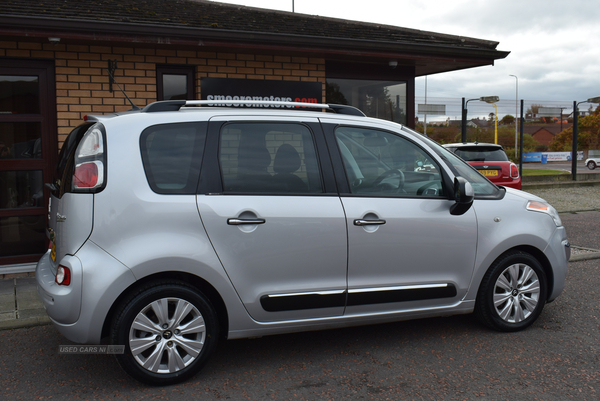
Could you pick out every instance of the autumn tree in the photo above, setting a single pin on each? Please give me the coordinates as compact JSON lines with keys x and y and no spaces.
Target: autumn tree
{"x":588,"y":136}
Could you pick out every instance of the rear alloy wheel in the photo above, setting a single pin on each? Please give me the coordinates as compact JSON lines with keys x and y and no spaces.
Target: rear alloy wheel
{"x":169,"y":331}
{"x":512,"y":293}
{"x":591,"y":165}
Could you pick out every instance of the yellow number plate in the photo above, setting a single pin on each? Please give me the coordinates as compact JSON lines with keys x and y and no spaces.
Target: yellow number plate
{"x":489,"y":173}
{"x":53,"y":251}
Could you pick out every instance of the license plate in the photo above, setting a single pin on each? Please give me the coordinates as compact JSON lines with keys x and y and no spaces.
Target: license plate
{"x":53,"y":251}
{"x":489,"y":173}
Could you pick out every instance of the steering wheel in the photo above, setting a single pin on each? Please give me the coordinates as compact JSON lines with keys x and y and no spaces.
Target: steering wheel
{"x":391,"y":172}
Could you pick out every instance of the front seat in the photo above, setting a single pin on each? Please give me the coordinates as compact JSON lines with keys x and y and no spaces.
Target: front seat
{"x":287,"y":161}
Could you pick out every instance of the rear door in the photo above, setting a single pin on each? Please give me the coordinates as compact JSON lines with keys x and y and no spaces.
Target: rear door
{"x":405,"y":250}
{"x":269,"y":205}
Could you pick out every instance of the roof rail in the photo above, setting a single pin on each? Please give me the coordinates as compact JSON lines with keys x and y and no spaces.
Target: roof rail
{"x":175,"y":105}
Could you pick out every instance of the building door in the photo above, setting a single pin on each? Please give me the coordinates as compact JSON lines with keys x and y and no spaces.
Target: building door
{"x":28,"y":148}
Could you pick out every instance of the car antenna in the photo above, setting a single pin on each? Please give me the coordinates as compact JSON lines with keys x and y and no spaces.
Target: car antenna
{"x":112,"y":66}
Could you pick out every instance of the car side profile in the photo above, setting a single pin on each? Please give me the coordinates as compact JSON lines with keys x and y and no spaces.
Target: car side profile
{"x":490,"y":160}
{"x":592,"y":162}
{"x":181,"y":224}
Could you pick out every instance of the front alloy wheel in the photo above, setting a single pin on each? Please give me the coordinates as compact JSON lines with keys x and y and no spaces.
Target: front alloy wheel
{"x":169,"y":330}
{"x":591,"y":165}
{"x":512,"y":293}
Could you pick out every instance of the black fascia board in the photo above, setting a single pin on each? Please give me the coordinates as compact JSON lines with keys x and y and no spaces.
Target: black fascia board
{"x":98,"y":29}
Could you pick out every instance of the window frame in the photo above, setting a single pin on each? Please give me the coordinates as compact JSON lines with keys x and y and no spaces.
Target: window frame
{"x":173,"y":69}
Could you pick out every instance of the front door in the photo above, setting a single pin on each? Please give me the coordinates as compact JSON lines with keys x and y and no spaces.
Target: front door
{"x":405,"y":250}
{"x":279,"y":234}
{"x":28,"y":148}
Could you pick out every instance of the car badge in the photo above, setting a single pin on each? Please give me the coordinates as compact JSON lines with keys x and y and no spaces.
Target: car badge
{"x":60,"y":218}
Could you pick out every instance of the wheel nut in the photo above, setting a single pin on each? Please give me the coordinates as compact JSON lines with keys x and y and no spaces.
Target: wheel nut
{"x":170,"y":343}
{"x":165,"y":326}
{"x":157,"y":338}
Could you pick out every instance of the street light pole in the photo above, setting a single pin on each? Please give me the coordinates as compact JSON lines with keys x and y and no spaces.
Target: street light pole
{"x":493,"y":100}
{"x":516,"y":111}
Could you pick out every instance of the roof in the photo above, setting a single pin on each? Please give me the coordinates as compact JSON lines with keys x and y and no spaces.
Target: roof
{"x":554,"y":129}
{"x":207,"y":23}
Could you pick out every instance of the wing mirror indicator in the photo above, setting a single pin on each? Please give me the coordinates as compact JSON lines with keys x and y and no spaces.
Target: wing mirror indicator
{"x":463,"y":196}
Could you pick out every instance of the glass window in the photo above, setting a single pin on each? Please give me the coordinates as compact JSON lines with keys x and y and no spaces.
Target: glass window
{"x":481,"y":154}
{"x":482,"y":187}
{"x":19,"y":94}
{"x":172,"y":156}
{"x":382,"y":163}
{"x":20,"y":140}
{"x":24,"y":235}
{"x":381,"y":99}
{"x":20,"y":189}
{"x":175,"y":82}
{"x":269,"y":158}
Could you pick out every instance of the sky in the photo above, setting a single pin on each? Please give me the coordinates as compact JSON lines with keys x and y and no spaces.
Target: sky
{"x":554,"y":45}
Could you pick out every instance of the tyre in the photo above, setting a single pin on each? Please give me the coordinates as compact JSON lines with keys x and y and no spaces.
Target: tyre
{"x":512,"y":293}
{"x":591,"y":165}
{"x":169,"y":331}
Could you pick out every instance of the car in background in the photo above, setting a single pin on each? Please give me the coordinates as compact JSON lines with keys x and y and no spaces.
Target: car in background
{"x":592,"y":162}
{"x":490,"y":160}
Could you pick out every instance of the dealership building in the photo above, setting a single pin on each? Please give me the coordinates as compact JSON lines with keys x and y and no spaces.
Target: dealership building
{"x":57,"y":58}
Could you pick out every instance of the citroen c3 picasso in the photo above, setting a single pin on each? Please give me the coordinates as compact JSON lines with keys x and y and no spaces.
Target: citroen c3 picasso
{"x":181,"y":224}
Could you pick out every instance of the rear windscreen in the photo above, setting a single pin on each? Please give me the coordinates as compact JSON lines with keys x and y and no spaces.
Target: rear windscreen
{"x":482,"y":154}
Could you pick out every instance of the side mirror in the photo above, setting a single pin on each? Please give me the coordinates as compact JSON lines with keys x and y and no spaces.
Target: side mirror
{"x":463,"y":195}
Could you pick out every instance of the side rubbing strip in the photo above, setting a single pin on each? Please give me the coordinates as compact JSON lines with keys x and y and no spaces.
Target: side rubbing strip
{"x":286,"y":302}
{"x":400,"y":294}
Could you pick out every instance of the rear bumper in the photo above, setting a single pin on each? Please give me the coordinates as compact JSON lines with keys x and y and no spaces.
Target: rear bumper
{"x":79,"y":310}
{"x":62,"y":303}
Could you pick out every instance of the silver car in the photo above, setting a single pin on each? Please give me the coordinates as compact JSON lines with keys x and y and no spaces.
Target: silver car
{"x":176,"y":226}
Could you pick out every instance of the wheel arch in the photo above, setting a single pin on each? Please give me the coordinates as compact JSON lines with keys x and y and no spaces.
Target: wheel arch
{"x":185,"y":278}
{"x":540,"y":257}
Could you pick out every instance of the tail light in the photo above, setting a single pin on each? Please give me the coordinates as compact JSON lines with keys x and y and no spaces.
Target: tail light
{"x":514,"y":171}
{"x":88,"y":174}
{"x":63,"y":275}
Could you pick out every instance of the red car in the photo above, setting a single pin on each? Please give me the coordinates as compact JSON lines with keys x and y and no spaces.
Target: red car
{"x":490,"y":160}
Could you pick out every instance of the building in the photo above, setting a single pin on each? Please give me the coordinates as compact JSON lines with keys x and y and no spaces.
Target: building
{"x":56,"y":58}
{"x":545,"y":133}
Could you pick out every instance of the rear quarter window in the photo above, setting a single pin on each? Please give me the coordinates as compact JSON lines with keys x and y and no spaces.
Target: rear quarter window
{"x":172,"y":155}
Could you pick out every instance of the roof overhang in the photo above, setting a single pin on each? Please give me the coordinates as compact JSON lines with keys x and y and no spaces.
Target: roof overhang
{"x":425,"y":58}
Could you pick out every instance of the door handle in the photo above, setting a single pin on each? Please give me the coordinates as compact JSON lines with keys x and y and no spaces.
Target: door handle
{"x":368,"y":222}
{"x":238,"y":222}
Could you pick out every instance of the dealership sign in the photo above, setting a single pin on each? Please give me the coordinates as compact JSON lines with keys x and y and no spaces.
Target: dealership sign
{"x":229,"y":92}
{"x":550,"y":156}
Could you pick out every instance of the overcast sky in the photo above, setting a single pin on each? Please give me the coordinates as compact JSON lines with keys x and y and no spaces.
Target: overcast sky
{"x":554,"y":45}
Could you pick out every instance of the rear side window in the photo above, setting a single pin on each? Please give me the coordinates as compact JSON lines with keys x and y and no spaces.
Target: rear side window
{"x":272,"y":158}
{"x":172,"y":154}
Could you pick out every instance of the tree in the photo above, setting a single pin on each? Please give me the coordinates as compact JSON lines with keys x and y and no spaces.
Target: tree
{"x":534,"y":108}
{"x":587,"y":138}
{"x":507,"y":120}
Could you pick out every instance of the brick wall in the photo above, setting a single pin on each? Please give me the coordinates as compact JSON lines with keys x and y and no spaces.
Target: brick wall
{"x":82,"y":80}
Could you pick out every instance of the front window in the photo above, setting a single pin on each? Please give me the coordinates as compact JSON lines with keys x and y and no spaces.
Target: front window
{"x":382,"y":163}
